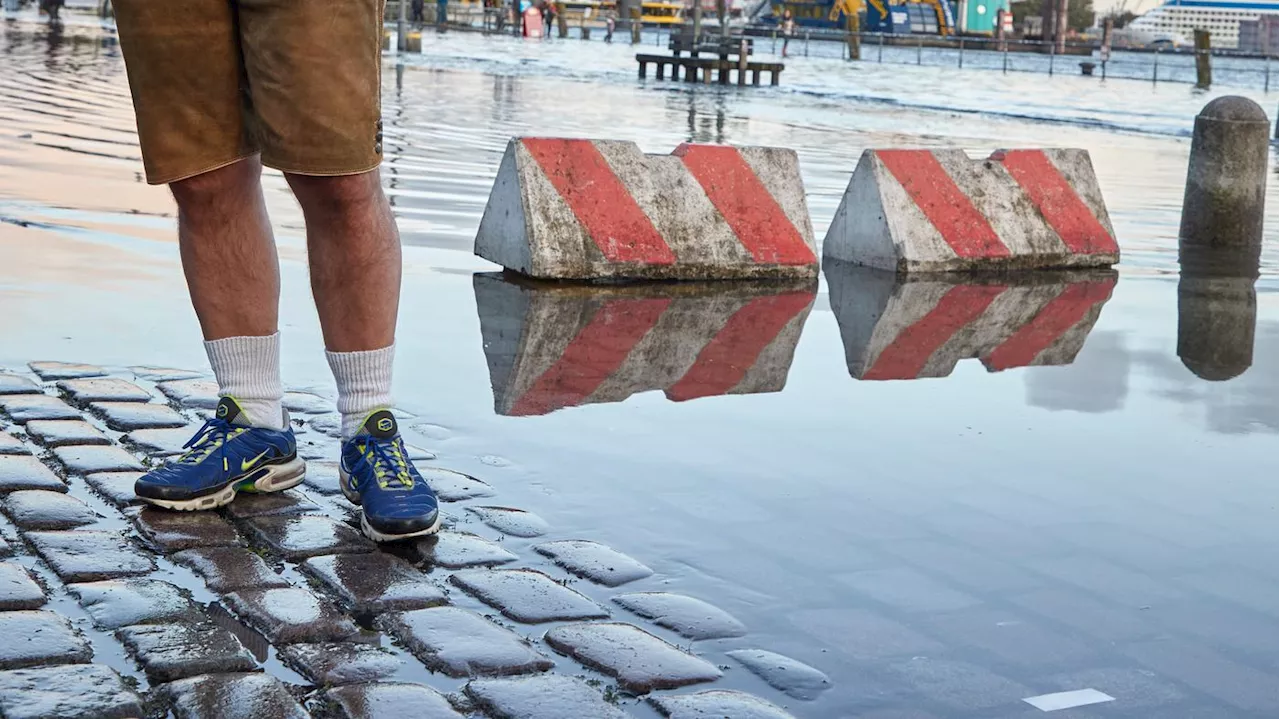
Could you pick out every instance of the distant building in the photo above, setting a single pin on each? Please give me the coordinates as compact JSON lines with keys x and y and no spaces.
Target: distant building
{"x":1261,"y":36}
{"x":978,"y":17}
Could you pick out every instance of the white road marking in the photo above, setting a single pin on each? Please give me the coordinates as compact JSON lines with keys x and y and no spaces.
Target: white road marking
{"x":1068,"y":700}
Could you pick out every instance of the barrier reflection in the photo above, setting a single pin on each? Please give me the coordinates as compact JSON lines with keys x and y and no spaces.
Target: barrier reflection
{"x":551,"y":346}
{"x":898,"y":327}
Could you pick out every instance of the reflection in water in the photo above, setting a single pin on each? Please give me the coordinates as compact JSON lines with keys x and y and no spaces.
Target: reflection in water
{"x":1097,"y":383}
{"x":910,"y":327}
{"x":556,"y":346}
{"x":1217,"y":313}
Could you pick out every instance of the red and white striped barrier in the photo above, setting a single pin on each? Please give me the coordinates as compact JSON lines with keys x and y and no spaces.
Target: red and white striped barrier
{"x":939,"y":211}
{"x":598,"y":209}
{"x":897,"y":327}
{"x":555,"y":347}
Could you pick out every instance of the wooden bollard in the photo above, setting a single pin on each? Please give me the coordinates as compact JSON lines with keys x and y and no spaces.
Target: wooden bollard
{"x":1204,"y":73}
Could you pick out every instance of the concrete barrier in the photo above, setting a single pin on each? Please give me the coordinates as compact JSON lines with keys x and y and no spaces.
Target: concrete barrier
{"x":551,"y":347}
{"x":912,"y":327}
{"x":602,"y":210}
{"x":939,"y":211}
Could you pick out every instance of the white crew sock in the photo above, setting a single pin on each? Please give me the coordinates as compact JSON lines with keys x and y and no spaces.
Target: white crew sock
{"x":248,"y":371}
{"x":364,"y":384}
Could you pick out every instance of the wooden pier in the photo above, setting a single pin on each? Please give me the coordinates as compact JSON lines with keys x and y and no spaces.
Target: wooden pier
{"x":727,"y":55}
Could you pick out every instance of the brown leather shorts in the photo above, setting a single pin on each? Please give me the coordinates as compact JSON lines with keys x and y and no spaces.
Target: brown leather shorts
{"x":215,"y":81}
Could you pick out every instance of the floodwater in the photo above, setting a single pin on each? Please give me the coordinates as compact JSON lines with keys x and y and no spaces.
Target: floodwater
{"x":944,"y":514}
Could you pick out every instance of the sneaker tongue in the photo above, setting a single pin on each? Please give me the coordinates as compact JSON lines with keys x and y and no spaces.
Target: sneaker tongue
{"x":229,"y":412}
{"x":380,"y":424}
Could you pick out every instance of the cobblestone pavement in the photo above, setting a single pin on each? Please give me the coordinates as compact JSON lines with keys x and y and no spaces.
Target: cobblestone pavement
{"x":275,"y":606}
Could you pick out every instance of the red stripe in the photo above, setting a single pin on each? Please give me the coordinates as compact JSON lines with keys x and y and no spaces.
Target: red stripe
{"x":724,"y":362}
{"x":907,"y":355}
{"x":1057,"y":201}
{"x":943,"y":203}
{"x":608,"y":213}
{"x":1061,"y":314}
{"x":745,"y":203}
{"x":592,"y":356}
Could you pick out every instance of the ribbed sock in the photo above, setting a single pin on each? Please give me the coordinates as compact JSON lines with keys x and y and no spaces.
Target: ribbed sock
{"x":248,"y":371}
{"x":364,"y":384}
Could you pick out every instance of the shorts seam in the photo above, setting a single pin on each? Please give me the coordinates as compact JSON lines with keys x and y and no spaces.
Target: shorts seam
{"x":312,"y":172}
{"x":215,"y":166}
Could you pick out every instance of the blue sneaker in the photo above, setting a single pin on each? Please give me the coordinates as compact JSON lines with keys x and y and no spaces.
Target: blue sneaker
{"x":376,"y":474}
{"x":226,"y":456}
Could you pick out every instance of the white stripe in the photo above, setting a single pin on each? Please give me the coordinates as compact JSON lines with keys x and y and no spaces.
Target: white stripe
{"x":998,"y":198}
{"x":1068,"y":700}
{"x":915,"y":238}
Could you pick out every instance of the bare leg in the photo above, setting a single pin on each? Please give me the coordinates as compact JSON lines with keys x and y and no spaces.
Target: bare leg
{"x":354,"y":252}
{"x":228,"y":253}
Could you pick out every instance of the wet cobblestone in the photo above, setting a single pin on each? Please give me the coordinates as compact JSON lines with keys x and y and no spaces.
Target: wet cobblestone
{"x":116,"y":603}
{"x":17,"y":589}
{"x":332,"y":664}
{"x":793,"y":678}
{"x":50,"y":370}
{"x":170,"y":531}
{"x":513,"y":522}
{"x":640,"y":661}
{"x":103,"y":389}
{"x":546,"y":696}
{"x":461,"y":643}
{"x":162,"y":442}
{"x":128,"y":416}
{"x":179,"y":650}
{"x":453,"y":486}
{"x":290,"y":615}
{"x":455,"y":550}
{"x":163,"y":374}
{"x":249,"y":505}
{"x":594,"y":561}
{"x":37,"y":637}
{"x":717,"y":704}
{"x":17,"y":384}
{"x":322,"y":476}
{"x":307,"y":536}
{"x":26,"y":472}
{"x":307,"y":403}
{"x":227,"y":569}
{"x":12,"y":445}
{"x":390,"y":699}
{"x":526,"y":595}
{"x":115,"y":487}
{"x":690,"y":618}
{"x":76,"y":692}
{"x":87,"y":555}
{"x":23,"y":408}
{"x":42,"y":509}
{"x":198,"y":393}
{"x":91,"y":460}
{"x":60,"y":432}
{"x":232,"y":696}
{"x":373,"y":583}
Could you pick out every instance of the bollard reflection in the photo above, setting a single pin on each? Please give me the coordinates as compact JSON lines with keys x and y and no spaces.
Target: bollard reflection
{"x":1217,"y":312}
{"x":916,"y":326}
{"x":551,"y":346}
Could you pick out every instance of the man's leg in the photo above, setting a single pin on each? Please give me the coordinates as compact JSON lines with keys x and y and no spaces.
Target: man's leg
{"x":354,"y":252}
{"x":229,"y":259}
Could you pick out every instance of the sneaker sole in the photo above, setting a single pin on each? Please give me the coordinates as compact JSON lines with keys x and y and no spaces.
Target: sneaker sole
{"x":278,"y":478}
{"x":381,"y":537}
{"x":374,"y":534}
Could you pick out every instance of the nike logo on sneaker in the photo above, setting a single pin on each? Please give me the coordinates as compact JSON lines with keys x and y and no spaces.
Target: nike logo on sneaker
{"x":248,"y":464}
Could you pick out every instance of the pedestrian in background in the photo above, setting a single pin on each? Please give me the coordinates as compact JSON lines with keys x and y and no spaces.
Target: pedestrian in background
{"x":788,"y":29}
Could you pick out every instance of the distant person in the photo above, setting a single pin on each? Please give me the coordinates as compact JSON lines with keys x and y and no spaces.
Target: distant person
{"x":788,"y":29}
{"x":548,"y":14}
{"x":220,"y":89}
{"x":610,"y":22}
{"x":418,"y":11}
{"x":442,"y":12}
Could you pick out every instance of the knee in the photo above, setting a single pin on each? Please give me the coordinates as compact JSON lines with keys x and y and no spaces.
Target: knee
{"x":338,"y":194}
{"x":216,"y":187}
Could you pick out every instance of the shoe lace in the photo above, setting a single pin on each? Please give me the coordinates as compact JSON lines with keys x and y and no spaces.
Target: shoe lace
{"x":213,"y":436}
{"x":387,"y":458}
